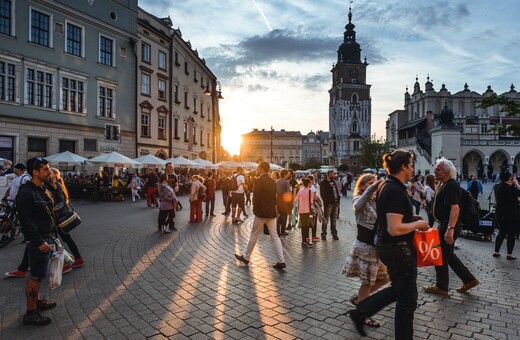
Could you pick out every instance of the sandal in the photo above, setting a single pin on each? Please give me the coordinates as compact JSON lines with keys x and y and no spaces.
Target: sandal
{"x":371,"y":323}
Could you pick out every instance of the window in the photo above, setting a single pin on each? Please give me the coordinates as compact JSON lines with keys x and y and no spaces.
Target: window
{"x":176,"y":128}
{"x":483,"y":128}
{"x":145,"y":84}
{"x":186,"y":101}
{"x":67,"y":145}
{"x":72,"y":95}
{"x":186,"y":132}
{"x":145,"y":53}
{"x":194,"y":135}
{"x":195,"y":76}
{"x":36,"y":147}
{"x":209,"y":116}
{"x":40,"y":28}
{"x":145,"y":124}
{"x":201,"y":136}
{"x":162,"y":128}
{"x":162,"y":89}
{"x":74,"y":44}
{"x":195,"y":105}
{"x":106,"y":52}
{"x":356,"y":145}
{"x":90,"y":145}
{"x":39,"y":88}
{"x":162,"y":60}
{"x":208,"y":144}
{"x":186,"y":71}
{"x":7,"y":81}
{"x":7,"y":147}
{"x":176,"y":93}
{"x":106,"y":102}
{"x":201,"y":110}
{"x":112,"y":132}
{"x":5,"y":16}
{"x":177,"y":59}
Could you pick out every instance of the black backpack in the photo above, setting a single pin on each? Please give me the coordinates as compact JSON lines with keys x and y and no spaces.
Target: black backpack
{"x":469,"y":209}
{"x":233,"y":183}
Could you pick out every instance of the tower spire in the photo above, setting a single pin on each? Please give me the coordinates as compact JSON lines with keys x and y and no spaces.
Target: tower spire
{"x":350,"y":12}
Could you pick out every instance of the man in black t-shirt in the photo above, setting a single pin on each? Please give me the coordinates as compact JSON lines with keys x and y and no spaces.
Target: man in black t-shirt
{"x":446,"y":211}
{"x":330,"y":190}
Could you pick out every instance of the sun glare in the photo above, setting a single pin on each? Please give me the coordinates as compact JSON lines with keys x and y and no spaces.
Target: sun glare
{"x":231,"y":141}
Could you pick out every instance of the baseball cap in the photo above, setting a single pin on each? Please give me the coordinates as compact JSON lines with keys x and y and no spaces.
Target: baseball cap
{"x":20,"y":166}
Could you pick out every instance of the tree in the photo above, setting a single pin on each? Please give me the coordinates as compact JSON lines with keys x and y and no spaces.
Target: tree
{"x":371,"y":152}
{"x":312,"y":163}
{"x":343,"y":167}
{"x":509,"y":106}
{"x":294,"y":166}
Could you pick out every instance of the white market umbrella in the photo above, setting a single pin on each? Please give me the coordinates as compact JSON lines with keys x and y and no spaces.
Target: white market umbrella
{"x":206,"y":164}
{"x":151,"y":161}
{"x":66,"y":158}
{"x":228,"y":165}
{"x":115,"y":160}
{"x":275,"y":166}
{"x":181,"y":162}
{"x":249,"y":165}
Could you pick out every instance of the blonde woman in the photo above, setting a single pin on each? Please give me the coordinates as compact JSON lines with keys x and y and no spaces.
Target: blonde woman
{"x":362,"y":261}
{"x":60,"y":195}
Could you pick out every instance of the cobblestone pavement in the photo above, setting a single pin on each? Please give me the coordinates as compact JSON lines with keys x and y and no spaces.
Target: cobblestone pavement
{"x":140,"y":284}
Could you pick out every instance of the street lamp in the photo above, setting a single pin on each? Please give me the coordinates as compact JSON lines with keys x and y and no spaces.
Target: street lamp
{"x":216,"y":94}
{"x":271,"y":135}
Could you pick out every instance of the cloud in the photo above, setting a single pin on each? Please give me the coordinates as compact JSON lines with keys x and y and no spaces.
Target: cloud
{"x":257,"y":54}
{"x":257,"y":88}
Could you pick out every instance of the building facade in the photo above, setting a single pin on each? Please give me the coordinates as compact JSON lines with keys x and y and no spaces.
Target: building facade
{"x":350,"y":109}
{"x":67,"y":77}
{"x":272,"y":146}
{"x":438,"y":124}
{"x":315,"y":147}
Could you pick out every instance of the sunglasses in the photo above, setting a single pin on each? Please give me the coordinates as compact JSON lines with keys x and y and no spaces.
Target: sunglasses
{"x":36,"y":161}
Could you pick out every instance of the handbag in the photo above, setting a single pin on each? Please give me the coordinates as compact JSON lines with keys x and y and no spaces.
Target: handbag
{"x":427,"y":246}
{"x":67,"y":219}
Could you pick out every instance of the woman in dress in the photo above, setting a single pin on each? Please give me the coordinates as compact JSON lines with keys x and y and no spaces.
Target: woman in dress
{"x":362,"y":261}
{"x":196,"y":199}
{"x":166,"y":208}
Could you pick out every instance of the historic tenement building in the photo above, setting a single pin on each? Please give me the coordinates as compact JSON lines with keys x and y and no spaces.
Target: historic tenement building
{"x":315,"y":147}
{"x":437,"y":124}
{"x":271,"y":146}
{"x":67,"y":77}
{"x":350,"y":107}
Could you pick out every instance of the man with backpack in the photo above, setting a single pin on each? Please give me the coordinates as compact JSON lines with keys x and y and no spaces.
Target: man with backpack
{"x":226,"y":197}
{"x":237,"y":187}
{"x":447,"y":211}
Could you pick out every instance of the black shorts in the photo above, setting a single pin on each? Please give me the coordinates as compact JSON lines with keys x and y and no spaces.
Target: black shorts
{"x":237,"y":199}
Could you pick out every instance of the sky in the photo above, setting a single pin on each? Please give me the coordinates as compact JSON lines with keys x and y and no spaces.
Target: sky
{"x":274,"y":57}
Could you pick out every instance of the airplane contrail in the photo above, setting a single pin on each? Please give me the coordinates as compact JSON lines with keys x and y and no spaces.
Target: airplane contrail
{"x":263,"y":15}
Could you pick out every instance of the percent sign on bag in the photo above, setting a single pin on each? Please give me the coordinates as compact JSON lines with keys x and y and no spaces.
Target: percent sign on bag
{"x":428,"y":247}
{"x":430,"y":250}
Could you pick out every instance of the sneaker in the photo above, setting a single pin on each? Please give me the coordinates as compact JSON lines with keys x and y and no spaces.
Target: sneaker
{"x":78,"y":263}
{"x":36,"y":319}
{"x":173,"y":229}
{"x":467,"y":286}
{"x":16,"y":273}
{"x":279,"y":265}
{"x":43,"y":304}
{"x":167,"y":231}
{"x":335,"y":237}
{"x":66,"y":269}
{"x":315,"y":239}
{"x":433,"y":289}
{"x":324,"y":238}
{"x":237,"y":221}
{"x":306,"y":245}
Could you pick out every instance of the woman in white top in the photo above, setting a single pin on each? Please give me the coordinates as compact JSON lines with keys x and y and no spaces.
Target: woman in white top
{"x":418,"y":193}
{"x":429,"y":195}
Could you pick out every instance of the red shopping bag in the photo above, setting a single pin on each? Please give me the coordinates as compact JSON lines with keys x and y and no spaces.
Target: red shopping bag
{"x":427,"y":245}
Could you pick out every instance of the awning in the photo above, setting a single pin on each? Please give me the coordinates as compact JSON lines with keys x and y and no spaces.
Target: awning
{"x":412,"y":124}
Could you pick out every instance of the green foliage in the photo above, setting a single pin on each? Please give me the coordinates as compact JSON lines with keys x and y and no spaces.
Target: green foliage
{"x":343,"y":167}
{"x":294,"y":166}
{"x":371,"y":152}
{"x":509,"y":106}
{"x":312,"y":163}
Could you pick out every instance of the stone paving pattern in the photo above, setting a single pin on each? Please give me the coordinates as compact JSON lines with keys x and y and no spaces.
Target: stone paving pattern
{"x":140,"y":284}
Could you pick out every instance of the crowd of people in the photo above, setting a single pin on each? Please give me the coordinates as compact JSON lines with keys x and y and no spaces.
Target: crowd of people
{"x":386,"y":214}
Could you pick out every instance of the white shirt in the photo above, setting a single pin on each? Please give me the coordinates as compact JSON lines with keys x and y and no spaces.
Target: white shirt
{"x":240,"y":181}
{"x":15,"y":185}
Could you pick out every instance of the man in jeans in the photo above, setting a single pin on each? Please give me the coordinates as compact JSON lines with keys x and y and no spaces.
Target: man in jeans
{"x":264,"y":208}
{"x":35,"y":208}
{"x":330,"y":194}
{"x":446,"y":210}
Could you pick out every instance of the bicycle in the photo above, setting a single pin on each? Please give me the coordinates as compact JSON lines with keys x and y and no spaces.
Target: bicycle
{"x":9,"y":222}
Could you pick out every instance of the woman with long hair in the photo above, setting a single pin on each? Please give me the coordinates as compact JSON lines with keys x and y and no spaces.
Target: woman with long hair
{"x":362,"y":261}
{"x":60,"y":195}
{"x":507,"y":213}
{"x":304,"y":198}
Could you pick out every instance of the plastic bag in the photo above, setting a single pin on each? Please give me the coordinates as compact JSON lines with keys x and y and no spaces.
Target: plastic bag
{"x":68,"y":258}
{"x":427,"y":245}
{"x":56,"y":266}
